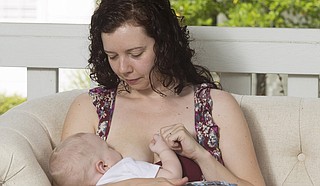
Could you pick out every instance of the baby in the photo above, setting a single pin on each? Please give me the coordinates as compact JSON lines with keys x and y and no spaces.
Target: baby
{"x":85,"y":159}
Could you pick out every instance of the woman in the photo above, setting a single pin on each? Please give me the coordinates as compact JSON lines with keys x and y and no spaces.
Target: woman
{"x":140,"y":57}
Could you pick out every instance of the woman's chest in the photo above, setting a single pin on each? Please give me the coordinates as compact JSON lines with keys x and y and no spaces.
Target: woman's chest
{"x":134,"y":124}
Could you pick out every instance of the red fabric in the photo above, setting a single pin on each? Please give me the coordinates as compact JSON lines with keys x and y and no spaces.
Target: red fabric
{"x":189,"y":169}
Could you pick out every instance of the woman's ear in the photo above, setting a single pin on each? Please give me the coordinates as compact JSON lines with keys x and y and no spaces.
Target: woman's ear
{"x":101,"y":167}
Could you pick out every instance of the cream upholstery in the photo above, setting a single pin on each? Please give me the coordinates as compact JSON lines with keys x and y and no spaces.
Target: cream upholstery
{"x":285,"y":131}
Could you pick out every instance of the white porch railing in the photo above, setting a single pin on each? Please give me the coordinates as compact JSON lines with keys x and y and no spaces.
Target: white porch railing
{"x":235,"y":53}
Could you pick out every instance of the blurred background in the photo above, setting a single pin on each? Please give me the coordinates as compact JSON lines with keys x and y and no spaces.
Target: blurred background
{"x":226,"y":13}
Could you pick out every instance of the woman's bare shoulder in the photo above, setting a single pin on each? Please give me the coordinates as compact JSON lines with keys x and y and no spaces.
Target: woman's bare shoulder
{"x":83,"y":98}
{"x":82,"y":102}
{"x":223,"y":98}
{"x":81,"y":117}
{"x":225,"y":107}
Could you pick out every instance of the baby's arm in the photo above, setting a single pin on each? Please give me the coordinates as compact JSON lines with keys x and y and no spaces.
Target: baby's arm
{"x":171,"y":167}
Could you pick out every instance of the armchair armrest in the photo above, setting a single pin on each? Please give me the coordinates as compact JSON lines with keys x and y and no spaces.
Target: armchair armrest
{"x":28,"y":133}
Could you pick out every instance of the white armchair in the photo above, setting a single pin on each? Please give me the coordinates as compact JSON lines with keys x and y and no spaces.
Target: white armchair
{"x":285,"y":131}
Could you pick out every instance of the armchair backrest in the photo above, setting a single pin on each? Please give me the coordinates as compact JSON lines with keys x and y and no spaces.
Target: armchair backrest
{"x":285,"y":133}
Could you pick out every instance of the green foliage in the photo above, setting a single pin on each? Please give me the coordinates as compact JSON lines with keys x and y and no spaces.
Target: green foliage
{"x":196,"y":12}
{"x":251,"y":13}
{"x":276,"y":13}
{"x":8,"y":102}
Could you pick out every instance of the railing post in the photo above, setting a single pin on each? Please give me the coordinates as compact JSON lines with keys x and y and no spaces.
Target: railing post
{"x":42,"y":82}
{"x":237,"y":83}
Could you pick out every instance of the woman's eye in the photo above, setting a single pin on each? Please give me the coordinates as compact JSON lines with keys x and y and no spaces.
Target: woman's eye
{"x":112,"y":57}
{"x":136,"y":55}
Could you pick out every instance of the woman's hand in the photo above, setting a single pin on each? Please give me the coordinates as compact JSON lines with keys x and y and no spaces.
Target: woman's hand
{"x":180,"y":140}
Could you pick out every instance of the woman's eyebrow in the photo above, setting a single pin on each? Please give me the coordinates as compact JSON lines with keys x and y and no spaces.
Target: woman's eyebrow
{"x":106,"y":51}
{"x":136,"y":48}
{"x":129,"y":50}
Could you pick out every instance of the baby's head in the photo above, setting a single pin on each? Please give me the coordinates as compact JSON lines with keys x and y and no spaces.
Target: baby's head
{"x":81,"y":158}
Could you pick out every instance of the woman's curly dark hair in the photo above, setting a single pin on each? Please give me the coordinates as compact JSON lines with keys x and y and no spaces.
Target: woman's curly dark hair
{"x":173,"y":54}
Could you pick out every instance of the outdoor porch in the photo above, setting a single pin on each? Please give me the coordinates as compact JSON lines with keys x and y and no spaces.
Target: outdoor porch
{"x":235,"y":54}
{"x":285,"y":129}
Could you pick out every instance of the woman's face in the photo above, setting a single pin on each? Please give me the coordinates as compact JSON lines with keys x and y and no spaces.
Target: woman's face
{"x":130,"y":54}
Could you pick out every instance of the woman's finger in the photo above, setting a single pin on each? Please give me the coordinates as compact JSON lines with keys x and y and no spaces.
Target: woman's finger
{"x":171,"y":129}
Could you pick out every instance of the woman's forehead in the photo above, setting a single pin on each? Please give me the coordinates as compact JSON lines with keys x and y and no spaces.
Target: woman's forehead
{"x":125,"y":37}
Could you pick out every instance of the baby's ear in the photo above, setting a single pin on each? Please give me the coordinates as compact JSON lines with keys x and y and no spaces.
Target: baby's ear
{"x":101,"y":167}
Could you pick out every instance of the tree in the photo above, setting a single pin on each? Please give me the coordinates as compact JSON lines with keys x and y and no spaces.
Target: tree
{"x":276,"y":13}
{"x":8,"y":102}
{"x":251,"y":13}
{"x":196,"y":12}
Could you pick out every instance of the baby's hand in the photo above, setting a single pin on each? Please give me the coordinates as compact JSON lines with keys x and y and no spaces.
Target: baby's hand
{"x":157,"y":144}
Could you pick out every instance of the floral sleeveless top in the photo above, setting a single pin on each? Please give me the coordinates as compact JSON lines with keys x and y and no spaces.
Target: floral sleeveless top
{"x":207,"y":131}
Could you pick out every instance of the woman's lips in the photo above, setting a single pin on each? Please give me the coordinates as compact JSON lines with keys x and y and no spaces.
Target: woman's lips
{"x":132,"y":81}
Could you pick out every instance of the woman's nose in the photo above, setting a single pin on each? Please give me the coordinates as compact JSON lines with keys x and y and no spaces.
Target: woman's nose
{"x":124,"y":66}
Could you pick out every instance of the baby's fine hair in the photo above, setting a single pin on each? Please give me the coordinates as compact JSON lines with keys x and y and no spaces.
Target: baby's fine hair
{"x":70,"y":161}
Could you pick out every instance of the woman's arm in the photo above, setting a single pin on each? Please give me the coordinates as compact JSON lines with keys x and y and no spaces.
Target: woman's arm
{"x":150,"y":181}
{"x":235,"y":143}
{"x":81,"y":117}
{"x":241,"y":166}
